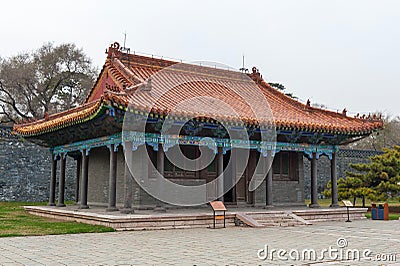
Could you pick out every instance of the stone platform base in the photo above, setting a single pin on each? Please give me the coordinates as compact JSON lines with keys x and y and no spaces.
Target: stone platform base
{"x":334,"y":214}
{"x":121,"y":222}
{"x":193,"y":218}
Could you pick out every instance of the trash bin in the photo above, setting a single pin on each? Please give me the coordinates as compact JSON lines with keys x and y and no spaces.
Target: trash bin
{"x":380,"y":212}
{"x":386,"y":211}
{"x":374,"y":212}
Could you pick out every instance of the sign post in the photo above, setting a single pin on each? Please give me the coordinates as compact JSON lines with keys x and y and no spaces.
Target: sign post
{"x":348,"y":204}
{"x":218,"y":207}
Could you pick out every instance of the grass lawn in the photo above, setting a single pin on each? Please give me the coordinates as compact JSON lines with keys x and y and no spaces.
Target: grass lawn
{"x":392,"y":216}
{"x":14,"y":221}
{"x":391,"y":202}
{"x":327,"y":202}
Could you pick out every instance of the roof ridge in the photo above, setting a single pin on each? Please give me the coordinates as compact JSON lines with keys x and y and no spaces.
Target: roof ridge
{"x":288,"y":99}
{"x":125,"y":71}
{"x":310,"y":108}
{"x":94,"y":84}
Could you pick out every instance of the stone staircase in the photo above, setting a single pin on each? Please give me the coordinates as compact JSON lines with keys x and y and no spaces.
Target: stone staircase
{"x":271,"y":218}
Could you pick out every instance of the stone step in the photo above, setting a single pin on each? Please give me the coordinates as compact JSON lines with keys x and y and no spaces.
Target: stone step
{"x":268,"y":216}
{"x":279,"y":221}
{"x":267,"y":221}
{"x":247,"y":220}
{"x":282,"y":224}
{"x":272,"y":219}
{"x":257,"y":214}
{"x":276,"y":218}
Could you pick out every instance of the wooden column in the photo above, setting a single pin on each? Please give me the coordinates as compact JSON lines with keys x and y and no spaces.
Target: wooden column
{"x":160,"y":168}
{"x":112,"y":184}
{"x":220,"y":170}
{"x":269,"y":200}
{"x":260,"y":193}
{"x":128,"y":179}
{"x":160,"y":159}
{"x":251,"y":170}
{"x":334,"y":187}
{"x":61,"y":182}
{"x":233,"y":173}
{"x":84,"y":180}
{"x":314,"y":183}
{"x":78,"y":177}
{"x":52,"y":196}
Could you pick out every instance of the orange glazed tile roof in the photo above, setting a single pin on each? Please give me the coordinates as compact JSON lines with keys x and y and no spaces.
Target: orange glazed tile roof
{"x":123,"y":83}
{"x":60,"y":120}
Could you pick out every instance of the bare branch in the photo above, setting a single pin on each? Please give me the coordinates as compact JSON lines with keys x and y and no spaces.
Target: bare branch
{"x":7,"y":114}
{"x":12,"y":103}
{"x":47,"y":80}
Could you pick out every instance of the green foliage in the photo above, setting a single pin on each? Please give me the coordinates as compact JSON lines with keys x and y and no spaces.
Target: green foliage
{"x":376,"y":181}
{"x":277,"y":86}
{"x":392,"y":216}
{"x":326,"y":202}
{"x":282,"y":88}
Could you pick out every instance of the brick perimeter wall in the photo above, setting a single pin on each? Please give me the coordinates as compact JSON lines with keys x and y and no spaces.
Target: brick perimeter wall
{"x":25,"y":171}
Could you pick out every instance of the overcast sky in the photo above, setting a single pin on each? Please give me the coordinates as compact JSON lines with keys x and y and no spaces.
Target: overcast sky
{"x":337,"y":53}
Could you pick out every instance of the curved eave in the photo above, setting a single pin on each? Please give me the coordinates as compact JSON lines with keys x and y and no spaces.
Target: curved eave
{"x":60,"y":120}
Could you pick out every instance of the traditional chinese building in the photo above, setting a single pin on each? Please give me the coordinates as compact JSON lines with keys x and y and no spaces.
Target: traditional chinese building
{"x":128,"y":92}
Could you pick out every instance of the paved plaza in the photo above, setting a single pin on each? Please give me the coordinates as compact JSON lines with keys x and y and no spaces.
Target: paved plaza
{"x":375,"y":242}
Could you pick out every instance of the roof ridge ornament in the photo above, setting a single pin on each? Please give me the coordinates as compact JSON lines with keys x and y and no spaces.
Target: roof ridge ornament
{"x":116,"y":50}
{"x":373,"y":117}
{"x":147,"y":85}
{"x":255,"y":75}
{"x":113,"y":50}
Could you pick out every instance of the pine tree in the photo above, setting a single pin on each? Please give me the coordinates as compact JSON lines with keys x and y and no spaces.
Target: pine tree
{"x":377,"y":180}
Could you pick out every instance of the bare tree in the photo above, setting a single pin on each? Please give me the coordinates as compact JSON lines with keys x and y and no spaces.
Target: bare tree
{"x":47,"y":80}
{"x":386,"y":138}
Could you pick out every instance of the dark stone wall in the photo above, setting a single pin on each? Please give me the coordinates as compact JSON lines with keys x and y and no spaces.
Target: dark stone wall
{"x":343,"y":159}
{"x":99,"y":178}
{"x":25,"y":170}
{"x":99,"y":169}
{"x":290,"y":192}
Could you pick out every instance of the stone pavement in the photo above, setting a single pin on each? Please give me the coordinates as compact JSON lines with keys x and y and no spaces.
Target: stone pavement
{"x":231,"y":246}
